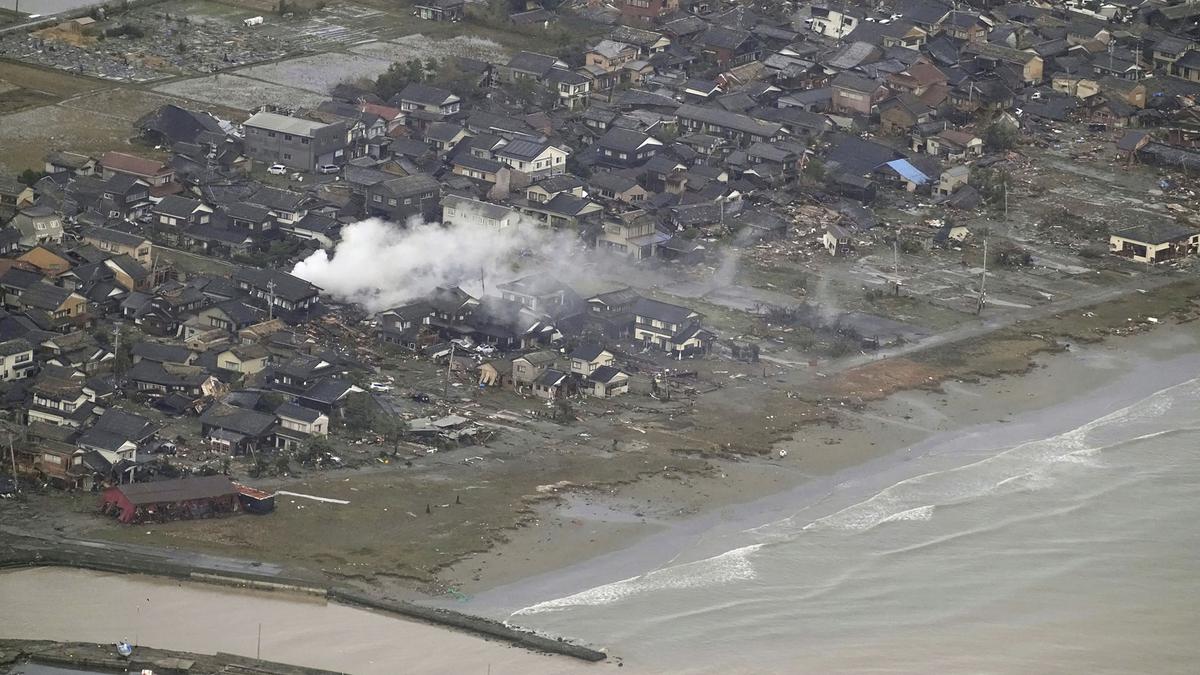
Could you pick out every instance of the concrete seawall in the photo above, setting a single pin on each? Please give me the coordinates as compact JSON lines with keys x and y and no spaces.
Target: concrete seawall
{"x":105,"y":658}
{"x":113,"y":561}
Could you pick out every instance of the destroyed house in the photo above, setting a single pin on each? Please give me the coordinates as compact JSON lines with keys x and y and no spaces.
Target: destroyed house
{"x":1155,"y":242}
{"x":159,"y":378}
{"x":236,"y":430}
{"x":162,"y":501}
{"x":742,"y":129}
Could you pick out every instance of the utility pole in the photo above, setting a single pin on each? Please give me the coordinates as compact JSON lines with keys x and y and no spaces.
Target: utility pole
{"x":983,"y":281}
{"x":117,"y":353}
{"x":12,"y":454}
{"x":1004,"y":183}
{"x":449,"y":365}
{"x":271,"y":299}
{"x":258,"y":648}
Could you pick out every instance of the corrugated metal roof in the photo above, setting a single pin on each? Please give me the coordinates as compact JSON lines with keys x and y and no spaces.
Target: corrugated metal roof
{"x":908,"y":171}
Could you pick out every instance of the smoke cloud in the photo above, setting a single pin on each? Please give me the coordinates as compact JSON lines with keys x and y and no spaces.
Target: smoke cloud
{"x":381,"y":265}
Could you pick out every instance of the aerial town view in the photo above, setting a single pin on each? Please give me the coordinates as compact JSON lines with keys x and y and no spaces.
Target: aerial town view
{"x":594,"y":336}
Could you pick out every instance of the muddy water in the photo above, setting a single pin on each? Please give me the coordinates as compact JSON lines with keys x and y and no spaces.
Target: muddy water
{"x":105,"y":608}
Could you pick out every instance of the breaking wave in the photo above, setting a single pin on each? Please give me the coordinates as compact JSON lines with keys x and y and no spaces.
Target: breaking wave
{"x":727,"y":567}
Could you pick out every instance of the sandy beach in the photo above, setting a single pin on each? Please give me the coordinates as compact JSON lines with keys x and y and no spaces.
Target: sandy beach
{"x":578,"y":540}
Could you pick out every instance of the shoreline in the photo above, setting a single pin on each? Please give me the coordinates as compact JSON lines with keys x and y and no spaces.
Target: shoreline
{"x":588,"y":539}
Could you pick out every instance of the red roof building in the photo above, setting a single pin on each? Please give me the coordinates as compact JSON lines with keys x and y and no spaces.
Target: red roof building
{"x":162,"y":501}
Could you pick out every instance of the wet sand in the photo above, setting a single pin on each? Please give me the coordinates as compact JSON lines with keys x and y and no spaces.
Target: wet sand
{"x":590,"y":527}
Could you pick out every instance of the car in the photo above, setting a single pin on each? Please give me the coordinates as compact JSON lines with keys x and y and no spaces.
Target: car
{"x":486,"y":350}
{"x":277,"y":170}
{"x":380,"y":386}
{"x":463,"y":343}
{"x":421,"y":397}
{"x":328,"y":168}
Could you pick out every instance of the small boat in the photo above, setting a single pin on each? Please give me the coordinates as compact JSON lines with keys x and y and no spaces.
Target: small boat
{"x":124,"y":648}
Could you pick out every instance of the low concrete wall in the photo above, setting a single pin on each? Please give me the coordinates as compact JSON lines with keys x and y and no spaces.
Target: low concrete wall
{"x":473,"y":624}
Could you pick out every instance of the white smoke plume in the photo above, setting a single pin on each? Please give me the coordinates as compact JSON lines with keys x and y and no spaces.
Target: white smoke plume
{"x":381,"y":265}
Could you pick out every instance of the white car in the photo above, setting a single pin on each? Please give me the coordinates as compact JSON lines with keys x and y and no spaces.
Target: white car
{"x":486,"y":350}
{"x":277,"y":170}
{"x":328,"y":168}
{"x":380,"y":386}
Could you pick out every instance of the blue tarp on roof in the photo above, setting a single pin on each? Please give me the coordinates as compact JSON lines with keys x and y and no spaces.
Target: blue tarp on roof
{"x":910,"y":173}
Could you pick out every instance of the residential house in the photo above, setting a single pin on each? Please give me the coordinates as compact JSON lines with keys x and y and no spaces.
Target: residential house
{"x":178,"y":211}
{"x":856,"y":94}
{"x":246,"y":359}
{"x":14,"y":195}
{"x":899,"y":114}
{"x":954,"y":145}
{"x":398,"y":199}
{"x":551,"y":384}
{"x":60,"y":400}
{"x":626,"y":147}
{"x":299,"y":425}
{"x":1154,"y":241}
{"x":610,"y":55}
{"x":16,"y":359}
{"x":157,"y":175}
{"x":440,"y":10}
{"x":288,"y":297}
{"x":586,"y":358}
{"x":615,"y":186}
{"x":295,"y":142}
{"x":633,"y":234}
{"x":833,"y":22}
{"x":434,"y":102}
{"x":70,"y":163}
{"x":669,"y":327}
{"x":60,"y":304}
{"x":606,"y":382}
{"x":527,"y":368}
{"x":463,"y":211}
{"x":610,"y":314}
{"x":328,"y":395}
{"x":646,"y":12}
{"x":727,"y":47}
{"x":536,"y":159}
{"x":836,"y":240}
{"x":117,"y":242}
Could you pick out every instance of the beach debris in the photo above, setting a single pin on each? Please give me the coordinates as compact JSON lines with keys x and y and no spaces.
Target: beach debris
{"x":782,"y":454}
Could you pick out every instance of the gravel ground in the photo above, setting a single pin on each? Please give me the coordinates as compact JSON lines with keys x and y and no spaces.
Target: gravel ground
{"x":240,"y":92}
{"x":419,"y":46}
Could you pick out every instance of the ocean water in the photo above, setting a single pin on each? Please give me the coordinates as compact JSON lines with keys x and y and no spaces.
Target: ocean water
{"x":1073,"y":553}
